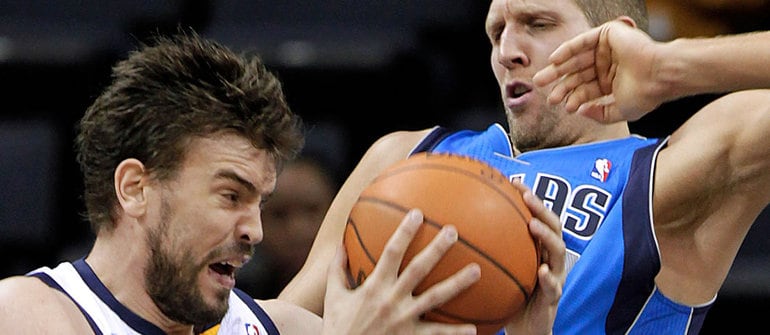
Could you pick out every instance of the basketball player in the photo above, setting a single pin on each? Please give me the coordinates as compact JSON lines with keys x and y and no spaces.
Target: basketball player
{"x":652,"y":226}
{"x":178,"y":155}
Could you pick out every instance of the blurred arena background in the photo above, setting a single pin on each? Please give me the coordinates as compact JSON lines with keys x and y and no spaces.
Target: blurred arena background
{"x":354,"y":70}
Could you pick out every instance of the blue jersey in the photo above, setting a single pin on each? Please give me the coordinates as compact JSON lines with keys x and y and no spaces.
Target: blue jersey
{"x":602,"y":193}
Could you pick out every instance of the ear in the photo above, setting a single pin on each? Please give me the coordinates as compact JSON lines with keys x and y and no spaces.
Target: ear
{"x":627,"y":20}
{"x":130,"y":183}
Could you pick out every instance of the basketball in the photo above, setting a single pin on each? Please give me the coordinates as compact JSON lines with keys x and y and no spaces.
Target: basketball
{"x":492,"y":225}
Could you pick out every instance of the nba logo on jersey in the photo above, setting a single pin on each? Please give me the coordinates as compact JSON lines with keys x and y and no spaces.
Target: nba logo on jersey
{"x":601,"y":169}
{"x":251,"y":329}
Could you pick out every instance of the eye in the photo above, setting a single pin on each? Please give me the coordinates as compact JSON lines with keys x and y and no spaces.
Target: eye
{"x":231,"y":198}
{"x":539,"y":24}
{"x":494,"y":33}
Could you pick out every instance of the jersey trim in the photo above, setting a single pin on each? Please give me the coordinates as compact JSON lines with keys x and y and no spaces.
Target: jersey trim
{"x":436,"y":136}
{"x":641,"y":247}
{"x":45,"y":278}
{"x":130,"y":318}
{"x":267,"y":322}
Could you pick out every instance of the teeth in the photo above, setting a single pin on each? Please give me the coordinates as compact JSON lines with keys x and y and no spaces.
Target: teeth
{"x":519,"y":90}
{"x":229,"y":264}
{"x":235,"y":263}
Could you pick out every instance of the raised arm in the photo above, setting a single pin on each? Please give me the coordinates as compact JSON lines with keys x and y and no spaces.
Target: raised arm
{"x":711,"y":182}
{"x":616,"y":72}
{"x":713,"y":177}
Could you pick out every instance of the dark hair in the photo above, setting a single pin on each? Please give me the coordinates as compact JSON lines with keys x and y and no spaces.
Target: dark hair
{"x":601,"y":11}
{"x":163,"y":95}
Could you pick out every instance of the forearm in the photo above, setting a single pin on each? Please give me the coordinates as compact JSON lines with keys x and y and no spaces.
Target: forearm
{"x":715,"y":65}
{"x":307,"y":289}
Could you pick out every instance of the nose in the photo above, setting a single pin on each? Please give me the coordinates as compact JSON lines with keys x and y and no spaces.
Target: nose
{"x":511,"y":51}
{"x":249,"y":228}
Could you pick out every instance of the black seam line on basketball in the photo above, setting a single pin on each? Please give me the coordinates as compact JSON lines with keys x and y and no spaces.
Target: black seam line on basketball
{"x":360,"y":243}
{"x":436,"y":225}
{"x":455,"y":170}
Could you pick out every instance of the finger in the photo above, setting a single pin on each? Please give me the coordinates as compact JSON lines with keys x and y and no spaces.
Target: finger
{"x":390,"y":261}
{"x":447,"y":289}
{"x":419,"y":267}
{"x":540,"y":211}
{"x":586,"y":41}
{"x":604,"y":67}
{"x":547,"y":75}
{"x":605,"y":64}
{"x":581,"y":95}
{"x":577,"y":63}
{"x":337,"y":278}
{"x":545,"y":224}
{"x":600,"y":109}
{"x":550,"y":284}
{"x":551,"y":244}
{"x":520,"y":187}
{"x":546,"y":227}
{"x":572,"y":82}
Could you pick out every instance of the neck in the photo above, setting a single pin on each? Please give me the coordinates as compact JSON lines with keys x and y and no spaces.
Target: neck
{"x":587,"y":132}
{"x":605,"y":133}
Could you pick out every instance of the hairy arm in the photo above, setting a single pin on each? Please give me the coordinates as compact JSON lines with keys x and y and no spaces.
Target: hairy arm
{"x":616,"y":72}
{"x":713,"y":178}
{"x":715,"y":65}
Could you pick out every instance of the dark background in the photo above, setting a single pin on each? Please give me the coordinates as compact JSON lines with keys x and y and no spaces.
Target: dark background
{"x":354,"y":70}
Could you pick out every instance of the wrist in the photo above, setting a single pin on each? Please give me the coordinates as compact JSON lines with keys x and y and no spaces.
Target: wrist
{"x":671,"y":71}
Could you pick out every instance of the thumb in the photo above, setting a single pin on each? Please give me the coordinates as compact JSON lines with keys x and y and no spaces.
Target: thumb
{"x":337,"y":276}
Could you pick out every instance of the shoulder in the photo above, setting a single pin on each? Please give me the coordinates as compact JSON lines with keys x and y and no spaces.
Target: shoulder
{"x":31,"y":306}
{"x":404,"y":139}
{"x":26,"y":294}
{"x":387,"y":150}
{"x":291,"y":319}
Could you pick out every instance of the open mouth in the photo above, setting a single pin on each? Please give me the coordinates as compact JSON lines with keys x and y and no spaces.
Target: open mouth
{"x":223,"y":268}
{"x":223,"y":273}
{"x":518,"y":90}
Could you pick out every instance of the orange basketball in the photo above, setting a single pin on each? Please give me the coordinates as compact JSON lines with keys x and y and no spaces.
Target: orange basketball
{"x":492,"y":224}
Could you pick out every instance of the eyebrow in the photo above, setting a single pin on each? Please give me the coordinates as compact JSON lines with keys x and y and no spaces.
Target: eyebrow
{"x":227,"y":174}
{"x":521,"y":15}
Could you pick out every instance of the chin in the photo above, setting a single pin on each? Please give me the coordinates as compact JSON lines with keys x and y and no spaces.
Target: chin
{"x":217,"y":304}
{"x":215,"y":296}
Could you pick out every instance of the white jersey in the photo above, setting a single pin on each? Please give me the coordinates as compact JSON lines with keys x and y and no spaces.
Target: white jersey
{"x":107,"y":315}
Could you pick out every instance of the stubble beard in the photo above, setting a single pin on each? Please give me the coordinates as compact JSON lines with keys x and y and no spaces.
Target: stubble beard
{"x":172,"y":281}
{"x":527,"y":136}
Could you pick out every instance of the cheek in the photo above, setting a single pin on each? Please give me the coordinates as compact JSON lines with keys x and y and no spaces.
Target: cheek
{"x":541,"y":54}
{"x":497,"y":68}
{"x":200,"y":229}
